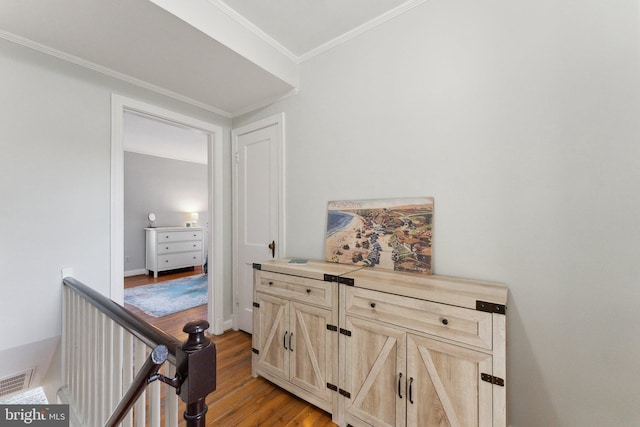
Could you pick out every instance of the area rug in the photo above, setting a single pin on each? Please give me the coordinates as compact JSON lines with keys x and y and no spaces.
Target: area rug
{"x":160,"y":299}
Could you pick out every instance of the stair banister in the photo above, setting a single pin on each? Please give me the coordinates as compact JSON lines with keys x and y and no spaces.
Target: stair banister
{"x":194,"y":360}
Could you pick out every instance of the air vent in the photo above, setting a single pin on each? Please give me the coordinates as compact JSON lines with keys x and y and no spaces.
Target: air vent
{"x":15,"y":382}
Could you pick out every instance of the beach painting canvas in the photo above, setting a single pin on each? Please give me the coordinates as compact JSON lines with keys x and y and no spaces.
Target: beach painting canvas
{"x":393,"y":234}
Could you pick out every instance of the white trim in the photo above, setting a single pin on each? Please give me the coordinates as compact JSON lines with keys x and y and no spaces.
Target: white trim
{"x":266,"y":103}
{"x":108,"y":72}
{"x":279,"y":121}
{"x":135,"y":272}
{"x":249,"y":26}
{"x":361,"y":29}
{"x":118,"y":106}
{"x":299,"y":59}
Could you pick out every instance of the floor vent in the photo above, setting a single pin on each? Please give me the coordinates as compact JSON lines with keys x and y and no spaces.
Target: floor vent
{"x":15,"y":382}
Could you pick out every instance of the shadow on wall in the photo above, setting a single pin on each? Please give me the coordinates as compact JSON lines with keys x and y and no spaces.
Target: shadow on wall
{"x":524,"y":397}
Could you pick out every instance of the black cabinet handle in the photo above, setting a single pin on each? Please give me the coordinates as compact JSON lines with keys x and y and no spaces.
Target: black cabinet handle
{"x":290,"y":344}
{"x":284,"y":341}
{"x":411,"y":390}
{"x":308,"y":291}
{"x":373,"y":305}
{"x":270,"y":283}
{"x":400,"y":385}
{"x":445,"y":321}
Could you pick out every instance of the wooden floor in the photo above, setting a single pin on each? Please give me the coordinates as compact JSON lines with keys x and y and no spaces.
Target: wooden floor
{"x":239,"y":399}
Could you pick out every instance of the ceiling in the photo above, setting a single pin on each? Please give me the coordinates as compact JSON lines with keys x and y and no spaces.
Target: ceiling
{"x":147,"y":135}
{"x":228,"y":57}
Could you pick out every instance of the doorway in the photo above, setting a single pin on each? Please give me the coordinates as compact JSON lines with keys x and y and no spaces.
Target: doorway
{"x":121,"y":105}
{"x":258,"y":207}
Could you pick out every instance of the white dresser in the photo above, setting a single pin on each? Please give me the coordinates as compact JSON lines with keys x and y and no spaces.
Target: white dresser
{"x":169,"y":248}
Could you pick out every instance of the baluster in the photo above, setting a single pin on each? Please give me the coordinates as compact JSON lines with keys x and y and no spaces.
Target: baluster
{"x":140,"y":352}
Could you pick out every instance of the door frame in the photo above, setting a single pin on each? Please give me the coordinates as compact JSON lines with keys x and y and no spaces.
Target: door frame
{"x":120,"y":104}
{"x":277,"y":120}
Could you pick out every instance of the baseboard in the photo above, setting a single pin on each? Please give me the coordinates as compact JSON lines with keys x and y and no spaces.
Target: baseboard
{"x":135,"y":272}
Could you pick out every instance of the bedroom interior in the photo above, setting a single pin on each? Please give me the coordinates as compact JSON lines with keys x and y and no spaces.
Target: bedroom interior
{"x":520,"y":120}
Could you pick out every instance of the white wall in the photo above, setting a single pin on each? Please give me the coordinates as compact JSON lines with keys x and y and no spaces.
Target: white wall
{"x":167,"y":187}
{"x":55,"y":138}
{"x":522,"y":120}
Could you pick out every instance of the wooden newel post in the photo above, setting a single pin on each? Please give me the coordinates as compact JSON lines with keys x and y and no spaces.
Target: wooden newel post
{"x":196,"y":362}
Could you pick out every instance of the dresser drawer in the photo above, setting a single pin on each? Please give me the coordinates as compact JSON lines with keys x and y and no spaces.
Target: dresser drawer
{"x":179,"y":236}
{"x":182,"y":259}
{"x":296,"y":288}
{"x":455,"y":323}
{"x":167,"y":248}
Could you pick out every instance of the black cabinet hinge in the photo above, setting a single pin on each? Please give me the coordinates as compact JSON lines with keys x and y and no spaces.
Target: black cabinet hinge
{"x":333,"y":328}
{"x":257,"y":266}
{"x":338,"y":279}
{"x":345,"y":332}
{"x":332,"y":387}
{"x":491,"y":307}
{"x":344,"y":393}
{"x":255,"y":350}
{"x":255,"y":304}
{"x":491,"y":379}
{"x":346,"y":281}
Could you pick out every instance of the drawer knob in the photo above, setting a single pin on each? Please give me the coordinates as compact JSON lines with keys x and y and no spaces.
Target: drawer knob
{"x":270,"y":283}
{"x":445,"y":321}
{"x":373,"y":305}
{"x":308,"y":291}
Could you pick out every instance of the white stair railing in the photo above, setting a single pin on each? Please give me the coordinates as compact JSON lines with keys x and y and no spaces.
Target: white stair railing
{"x":102,"y":356}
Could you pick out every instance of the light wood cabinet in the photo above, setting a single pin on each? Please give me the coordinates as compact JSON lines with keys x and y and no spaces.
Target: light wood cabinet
{"x":409,"y":350}
{"x":406,"y":379}
{"x":295,"y":338}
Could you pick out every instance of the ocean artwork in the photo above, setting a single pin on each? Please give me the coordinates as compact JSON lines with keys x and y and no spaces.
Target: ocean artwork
{"x":392,"y":234}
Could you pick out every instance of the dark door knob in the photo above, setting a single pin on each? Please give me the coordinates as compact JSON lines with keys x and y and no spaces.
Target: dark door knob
{"x":272,"y":246}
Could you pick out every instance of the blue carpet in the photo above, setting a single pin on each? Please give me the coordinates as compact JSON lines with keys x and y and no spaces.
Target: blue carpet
{"x":160,"y":299}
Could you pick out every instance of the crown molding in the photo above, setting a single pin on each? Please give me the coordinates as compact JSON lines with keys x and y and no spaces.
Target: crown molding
{"x":369,"y":25}
{"x":387,"y":16}
{"x":108,"y":72}
{"x":248,"y":25}
{"x":263,"y":104}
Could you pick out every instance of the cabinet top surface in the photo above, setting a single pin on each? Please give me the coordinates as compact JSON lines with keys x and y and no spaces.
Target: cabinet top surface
{"x":444,"y":289}
{"x":311,"y":269}
{"x":449,"y":290}
{"x":173,"y":228}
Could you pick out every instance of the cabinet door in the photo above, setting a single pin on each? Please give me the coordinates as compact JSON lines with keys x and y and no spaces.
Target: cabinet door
{"x":273,"y":335}
{"x":444,"y":386}
{"x":311,"y":349}
{"x":375,"y":374}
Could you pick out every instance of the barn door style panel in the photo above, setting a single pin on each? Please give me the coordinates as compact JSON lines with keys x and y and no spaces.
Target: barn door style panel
{"x":310,"y":349}
{"x":374,"y":383}
{"x":444,"y":386}
{"x":273,"y":321}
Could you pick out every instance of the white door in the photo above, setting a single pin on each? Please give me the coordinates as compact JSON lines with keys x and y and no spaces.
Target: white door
{"x":258,"y":205}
